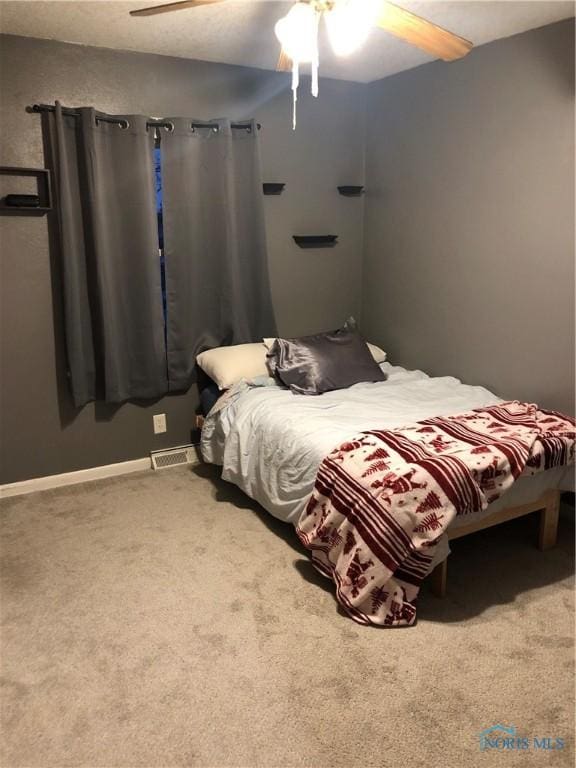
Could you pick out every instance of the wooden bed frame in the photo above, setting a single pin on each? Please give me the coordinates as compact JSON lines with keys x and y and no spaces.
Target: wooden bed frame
{"x":548,"y":504}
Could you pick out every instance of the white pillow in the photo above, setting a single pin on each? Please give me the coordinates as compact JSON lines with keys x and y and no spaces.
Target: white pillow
{"x":378,"y":354}
{"x":227,"y":365}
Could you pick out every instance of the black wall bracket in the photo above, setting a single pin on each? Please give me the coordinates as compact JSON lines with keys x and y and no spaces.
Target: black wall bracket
{"x":350,"y":191}
{"x":315,"y":241}
{"x":273,"y":189}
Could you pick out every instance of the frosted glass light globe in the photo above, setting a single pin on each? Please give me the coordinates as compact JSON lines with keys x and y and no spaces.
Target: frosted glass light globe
{"x":298,"y":32}
{"x":349,"y":24}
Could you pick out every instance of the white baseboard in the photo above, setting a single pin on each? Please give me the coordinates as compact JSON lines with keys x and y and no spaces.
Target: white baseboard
{"x":72,"y":478}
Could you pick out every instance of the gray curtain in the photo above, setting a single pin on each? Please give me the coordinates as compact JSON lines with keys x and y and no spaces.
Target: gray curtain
{"x":109,"y":250}
{"x":217,"y":283}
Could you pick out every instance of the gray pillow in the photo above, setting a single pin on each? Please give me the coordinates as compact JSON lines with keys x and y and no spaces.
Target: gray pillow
{"x":315,"y":364}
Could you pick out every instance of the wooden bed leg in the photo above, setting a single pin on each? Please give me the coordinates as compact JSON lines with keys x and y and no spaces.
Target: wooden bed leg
{"x":549,"y":521}
{"x":438,"y":579}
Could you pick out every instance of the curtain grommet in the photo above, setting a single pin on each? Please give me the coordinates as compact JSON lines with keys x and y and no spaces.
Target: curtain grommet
{"x":124,"y":125}
{"x":169,"y":127}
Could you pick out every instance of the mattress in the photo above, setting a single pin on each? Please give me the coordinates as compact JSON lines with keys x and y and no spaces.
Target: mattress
{"x":271,"y":442}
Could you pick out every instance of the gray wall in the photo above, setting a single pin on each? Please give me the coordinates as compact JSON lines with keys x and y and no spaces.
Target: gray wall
{"x":469,"y":224}
{"x":469,"y":227}
{"x":40,"y":431}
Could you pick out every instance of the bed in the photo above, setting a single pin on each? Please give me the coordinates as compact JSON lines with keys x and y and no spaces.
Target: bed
{"x":271,"y":443}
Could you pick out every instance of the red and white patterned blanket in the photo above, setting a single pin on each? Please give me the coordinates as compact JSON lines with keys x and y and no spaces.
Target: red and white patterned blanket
{"x":382,"y":501}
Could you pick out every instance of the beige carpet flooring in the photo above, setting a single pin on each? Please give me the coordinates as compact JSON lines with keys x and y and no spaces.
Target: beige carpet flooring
{"x":161,"y":619}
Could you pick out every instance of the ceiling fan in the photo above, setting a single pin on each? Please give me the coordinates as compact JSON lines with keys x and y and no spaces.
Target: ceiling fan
{"x":348,"y":23}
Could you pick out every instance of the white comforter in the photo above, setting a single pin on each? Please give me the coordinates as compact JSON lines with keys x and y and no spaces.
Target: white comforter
{"x":271,"y":442}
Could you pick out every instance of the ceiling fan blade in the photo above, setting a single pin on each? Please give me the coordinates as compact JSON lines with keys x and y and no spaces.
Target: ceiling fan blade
{"x":284,"y":62}
{"x":168,"y":7}
{"x":423,"y":34}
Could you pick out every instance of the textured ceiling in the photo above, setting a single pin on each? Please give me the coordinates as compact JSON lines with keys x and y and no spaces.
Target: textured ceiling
{"x":241,"y":31}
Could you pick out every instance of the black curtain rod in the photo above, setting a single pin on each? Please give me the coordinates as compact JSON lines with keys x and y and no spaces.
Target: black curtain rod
{"x":36,"y":108}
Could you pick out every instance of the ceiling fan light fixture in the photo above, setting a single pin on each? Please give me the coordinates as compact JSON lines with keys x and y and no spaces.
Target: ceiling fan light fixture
{"x":298,"y":34}
{"x":349,"y":24}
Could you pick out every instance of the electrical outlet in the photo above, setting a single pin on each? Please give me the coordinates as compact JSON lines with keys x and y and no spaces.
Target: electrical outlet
{"x":159,"y":420}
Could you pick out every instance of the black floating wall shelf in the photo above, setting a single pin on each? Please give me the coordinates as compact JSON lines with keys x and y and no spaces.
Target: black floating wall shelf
{"x":349,"y":191}
{"x":273,"y":189}
{"x":315,"y":241}
{"x":24,"y":204}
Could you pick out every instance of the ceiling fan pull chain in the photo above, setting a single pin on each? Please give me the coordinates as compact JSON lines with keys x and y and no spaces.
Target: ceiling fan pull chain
{"x":314,"y":66}
{"x":295,"y":83}
{"x":314,"y":62}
